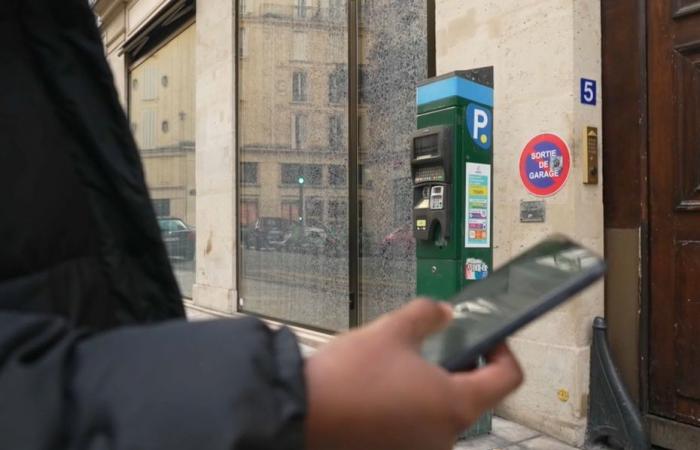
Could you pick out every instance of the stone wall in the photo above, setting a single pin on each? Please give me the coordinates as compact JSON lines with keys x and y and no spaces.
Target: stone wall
{"x":216,"y":150}
{"x":539,"y":50}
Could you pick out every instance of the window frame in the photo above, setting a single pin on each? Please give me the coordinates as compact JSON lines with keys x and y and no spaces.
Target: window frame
{"x":335,"y":78}
{"x":335,"y":132}
{"x":161,"y":204}
{"x":300,"y":86}
{"x":337,"y":176}
{"x":300,"y":8}
{"x":243,"y":43}
{"x":299,"y":131}
{"x":246,"y":182}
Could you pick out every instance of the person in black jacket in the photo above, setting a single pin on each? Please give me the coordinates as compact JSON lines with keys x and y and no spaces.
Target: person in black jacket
{"x":94,"y":351}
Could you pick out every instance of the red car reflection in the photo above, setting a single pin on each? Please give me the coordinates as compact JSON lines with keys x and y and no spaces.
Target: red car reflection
{"x":399,"y":243}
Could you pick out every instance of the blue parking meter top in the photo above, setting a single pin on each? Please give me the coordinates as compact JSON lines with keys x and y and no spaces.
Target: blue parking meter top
{"x":456,"y":87}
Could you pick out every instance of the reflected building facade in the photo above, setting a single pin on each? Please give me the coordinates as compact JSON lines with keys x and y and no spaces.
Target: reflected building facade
{"x":161,"y":87}
{"x":294,"y":154}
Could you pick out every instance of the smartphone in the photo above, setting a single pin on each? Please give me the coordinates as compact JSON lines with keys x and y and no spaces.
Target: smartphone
{"x":488,"y":311}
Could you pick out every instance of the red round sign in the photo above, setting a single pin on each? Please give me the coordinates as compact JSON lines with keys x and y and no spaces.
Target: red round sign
{"x":545,"y":164}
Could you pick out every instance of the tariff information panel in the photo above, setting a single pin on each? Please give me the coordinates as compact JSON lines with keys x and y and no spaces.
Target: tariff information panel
{"x":477,"y":232}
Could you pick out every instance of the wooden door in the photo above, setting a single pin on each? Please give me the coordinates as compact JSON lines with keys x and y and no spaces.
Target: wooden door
{"x":674,"y":200}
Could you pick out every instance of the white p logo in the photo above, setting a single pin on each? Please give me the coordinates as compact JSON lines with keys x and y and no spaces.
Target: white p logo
{"x":481,"y":121}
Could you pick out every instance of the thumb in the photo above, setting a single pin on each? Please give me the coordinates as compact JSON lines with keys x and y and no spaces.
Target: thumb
{"x":419,"y":319}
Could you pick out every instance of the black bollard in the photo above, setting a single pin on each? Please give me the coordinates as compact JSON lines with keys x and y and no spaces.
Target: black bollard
{"x":613,"y":419}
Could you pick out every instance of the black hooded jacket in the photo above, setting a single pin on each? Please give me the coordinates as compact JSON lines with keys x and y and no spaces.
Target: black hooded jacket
{"x":94,"y":351}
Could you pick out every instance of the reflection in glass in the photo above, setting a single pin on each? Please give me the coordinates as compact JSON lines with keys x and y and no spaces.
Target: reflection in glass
{"x":161,"y":110}
{"x":293,"y":211}
{"x":393,"y":51}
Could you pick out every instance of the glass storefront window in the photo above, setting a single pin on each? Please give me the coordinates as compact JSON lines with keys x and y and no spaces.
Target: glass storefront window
{"x":393,"y":59}
{"x":162,"y":114}
{"x":293,"y":254}
{"x":294,"y":75}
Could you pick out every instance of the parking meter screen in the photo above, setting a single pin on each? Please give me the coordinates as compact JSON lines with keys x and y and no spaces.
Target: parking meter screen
{"x":487,"y":311}
{"x":425,"y":146}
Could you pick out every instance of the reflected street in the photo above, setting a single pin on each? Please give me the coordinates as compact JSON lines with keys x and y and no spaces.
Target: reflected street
{"x":184,"y":274}
{"x":320,"y":284}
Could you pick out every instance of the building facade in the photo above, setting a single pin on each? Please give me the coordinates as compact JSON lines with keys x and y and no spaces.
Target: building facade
{"x":275,"y":136}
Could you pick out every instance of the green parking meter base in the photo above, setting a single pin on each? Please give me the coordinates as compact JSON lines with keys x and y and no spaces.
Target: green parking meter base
{"x":438,"y":279}
{"x":480,"y":428}
{"x":428,"y":250}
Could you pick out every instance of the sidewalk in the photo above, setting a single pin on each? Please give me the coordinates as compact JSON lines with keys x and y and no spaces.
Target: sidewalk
{"x":505,"y":435}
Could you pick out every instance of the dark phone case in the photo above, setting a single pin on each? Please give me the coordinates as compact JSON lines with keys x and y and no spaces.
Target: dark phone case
{"x":468,"y":359}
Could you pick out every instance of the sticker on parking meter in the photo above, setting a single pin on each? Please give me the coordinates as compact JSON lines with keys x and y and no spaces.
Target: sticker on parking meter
{"x":475,"y":269}
{"x":545,"y":164}
{"x":480,"y":126}
{"x":477,"y":211}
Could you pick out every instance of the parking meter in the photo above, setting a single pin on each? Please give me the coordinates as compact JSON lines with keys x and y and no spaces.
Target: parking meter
{"x":451,"y":166}
{"x":432,"y":181}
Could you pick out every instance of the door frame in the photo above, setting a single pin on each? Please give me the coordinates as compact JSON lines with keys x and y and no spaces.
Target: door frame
{"x":626,"y":200}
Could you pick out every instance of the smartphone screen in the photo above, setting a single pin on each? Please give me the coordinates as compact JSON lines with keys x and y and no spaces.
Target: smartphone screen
{"x":486,"y":312}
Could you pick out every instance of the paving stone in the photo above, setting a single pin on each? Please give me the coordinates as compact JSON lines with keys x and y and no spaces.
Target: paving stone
{"x":487,"y":442}
{"x":196,"y":315}
{"x":545,"y":443}
{"x":511,"y":431}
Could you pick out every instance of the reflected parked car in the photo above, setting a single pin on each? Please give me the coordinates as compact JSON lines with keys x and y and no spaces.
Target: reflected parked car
{"x":399,"y":243}
{"x":312,"y":239}
{"x":179,"y":237}
{"x":266,"y":233}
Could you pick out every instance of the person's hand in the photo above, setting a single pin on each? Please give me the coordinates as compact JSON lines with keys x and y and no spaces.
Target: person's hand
{"x":371,"y":390}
